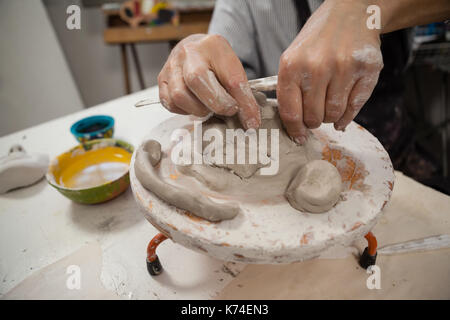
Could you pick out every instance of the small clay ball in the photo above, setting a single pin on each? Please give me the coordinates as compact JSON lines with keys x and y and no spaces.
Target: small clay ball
{"x":153,"y":149}
{"x":315,"y":188}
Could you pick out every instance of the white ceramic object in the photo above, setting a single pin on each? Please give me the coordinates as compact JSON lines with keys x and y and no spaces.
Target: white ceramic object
{"x":20,"y":169}
{"x":277,"y":233}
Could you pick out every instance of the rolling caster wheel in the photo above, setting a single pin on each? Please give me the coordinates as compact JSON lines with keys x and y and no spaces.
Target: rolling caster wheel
{"x":154,"y":267}
{"x":369,"y":256}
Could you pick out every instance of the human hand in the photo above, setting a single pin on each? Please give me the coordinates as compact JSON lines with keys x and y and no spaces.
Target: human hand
{"x":203,"y":75}
{"x":330,"y":70}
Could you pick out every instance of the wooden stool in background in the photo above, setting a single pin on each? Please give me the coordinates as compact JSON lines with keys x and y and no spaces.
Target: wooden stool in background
{"x":117,"y":32}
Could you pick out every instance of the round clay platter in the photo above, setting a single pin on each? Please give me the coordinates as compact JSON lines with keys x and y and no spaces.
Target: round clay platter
{"x":274,"y":232}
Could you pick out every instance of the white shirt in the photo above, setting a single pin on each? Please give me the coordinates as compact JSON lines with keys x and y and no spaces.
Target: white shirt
{"x":258,"y":30}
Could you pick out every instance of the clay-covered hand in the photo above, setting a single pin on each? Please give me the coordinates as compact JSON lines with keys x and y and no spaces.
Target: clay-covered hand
{"x":204,"y":75}
{"x":330,"y":70}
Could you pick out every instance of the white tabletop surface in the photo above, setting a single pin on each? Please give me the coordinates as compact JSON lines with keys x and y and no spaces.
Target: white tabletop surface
{"x":39,"y":227}
{"x":42,"y":234}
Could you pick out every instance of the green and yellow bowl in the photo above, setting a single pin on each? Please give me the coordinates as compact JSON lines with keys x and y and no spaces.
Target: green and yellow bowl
{"x":93,"y":172}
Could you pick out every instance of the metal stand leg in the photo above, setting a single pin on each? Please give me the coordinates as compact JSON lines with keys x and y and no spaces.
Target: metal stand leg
{"x":153,"y":265}
{"x":123,"y":50}
{"x":172,"y":44}
{"x":369,"y":256}
{"x":138,"y":66}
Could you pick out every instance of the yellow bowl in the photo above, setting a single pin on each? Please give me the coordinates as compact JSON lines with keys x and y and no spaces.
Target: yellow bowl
{"x":93,"y":172}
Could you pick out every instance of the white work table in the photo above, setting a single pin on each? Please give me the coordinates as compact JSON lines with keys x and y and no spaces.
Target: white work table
{"x":42,"y":233}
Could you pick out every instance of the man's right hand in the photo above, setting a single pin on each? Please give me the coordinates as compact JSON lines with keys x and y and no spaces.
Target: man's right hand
{"x":203,"y":75}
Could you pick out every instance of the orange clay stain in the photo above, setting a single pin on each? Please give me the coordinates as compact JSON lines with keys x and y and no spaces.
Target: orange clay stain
{"x":352,"y":174}
{"x":306,"y":237}
{"x":200,"y":228}
{"x":173,"y":176}
{"x":356,"y":225}
{"x":391,"y":185}
{"x":150,"y":205}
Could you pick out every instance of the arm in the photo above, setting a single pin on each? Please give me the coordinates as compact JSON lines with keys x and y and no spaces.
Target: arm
{"x":331,"y":68}
{"x":401,"y":14}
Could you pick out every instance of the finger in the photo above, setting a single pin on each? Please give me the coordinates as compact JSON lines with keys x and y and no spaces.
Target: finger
{"x":231,"y":75}
{"x":290,"y":109}
{"x":203,"y":83}
{"x":359,"y":95}
{"x":182,"y":97}
{"x":336,"y":99}
{"x":314,"y":88}
{"x":164,"y":98}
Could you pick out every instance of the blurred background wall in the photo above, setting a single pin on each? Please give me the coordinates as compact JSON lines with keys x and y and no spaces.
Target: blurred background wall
{"x":36,"y":84}
{"x":46,"y":67}
{"x":96,"y":67}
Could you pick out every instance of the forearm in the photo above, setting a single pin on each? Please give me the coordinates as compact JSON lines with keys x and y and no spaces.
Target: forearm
{"x":399,"y":14}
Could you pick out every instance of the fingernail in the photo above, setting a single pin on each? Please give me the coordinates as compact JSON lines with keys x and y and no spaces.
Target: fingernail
{"x":252,"y":123}
{"x":300,"y":140}
{"x":340,"y":128}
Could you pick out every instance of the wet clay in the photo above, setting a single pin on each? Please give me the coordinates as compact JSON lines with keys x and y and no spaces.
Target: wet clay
{"x":315,"y":188}
{"x":215,"y":188}
{"x":153,"y":149}
{"x":181,"y":197}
